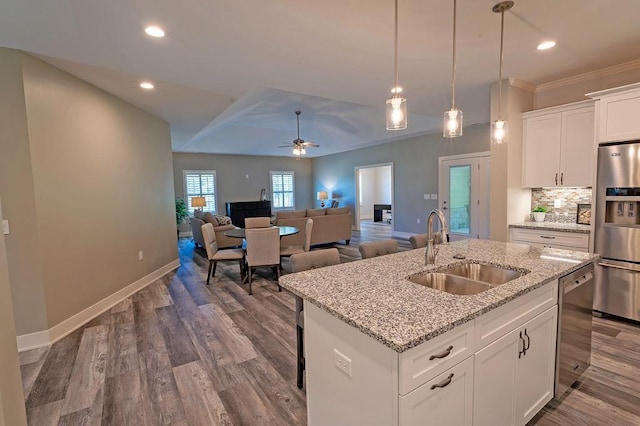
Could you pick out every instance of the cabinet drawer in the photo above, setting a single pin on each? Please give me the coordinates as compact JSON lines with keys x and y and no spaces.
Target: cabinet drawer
{"x":553,"y":238}
{"x":500,"y":321}
{"x":422,"y":363}
{"x":447,"y":399}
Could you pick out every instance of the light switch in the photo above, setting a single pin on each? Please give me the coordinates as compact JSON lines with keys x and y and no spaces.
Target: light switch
{"x":434,"y":196}
{"x":5,"y":226}
{"x":557,"y":203}
{"x":426,"y":196}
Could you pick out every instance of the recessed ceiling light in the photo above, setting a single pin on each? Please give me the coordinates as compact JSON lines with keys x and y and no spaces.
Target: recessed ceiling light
{"x":146,"y":85}
{"x":546,"y":45}
{"x":154,"y":31}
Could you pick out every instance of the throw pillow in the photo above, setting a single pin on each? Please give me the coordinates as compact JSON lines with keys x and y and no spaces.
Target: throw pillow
{"x":211,"y":218}
{"x":223,"y":220}
{"x":198,"y":214}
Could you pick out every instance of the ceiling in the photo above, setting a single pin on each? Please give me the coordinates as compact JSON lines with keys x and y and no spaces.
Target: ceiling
{"x":229,"y":75}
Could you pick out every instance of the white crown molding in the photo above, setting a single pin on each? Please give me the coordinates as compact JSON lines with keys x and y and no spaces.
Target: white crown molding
{"x":521,"y":84}
{"x":591,"y":75}
{"x":58,"y":331}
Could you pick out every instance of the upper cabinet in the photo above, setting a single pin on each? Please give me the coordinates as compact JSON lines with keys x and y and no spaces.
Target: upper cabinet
{"x":617,"y":111}
{"x":558,"y":146}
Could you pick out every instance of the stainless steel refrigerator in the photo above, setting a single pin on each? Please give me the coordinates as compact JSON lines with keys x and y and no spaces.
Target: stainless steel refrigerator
{"x":617,"y":230}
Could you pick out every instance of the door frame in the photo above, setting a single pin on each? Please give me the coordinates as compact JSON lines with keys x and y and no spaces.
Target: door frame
{"x":472,"y":155}
{"x":356,"y":173}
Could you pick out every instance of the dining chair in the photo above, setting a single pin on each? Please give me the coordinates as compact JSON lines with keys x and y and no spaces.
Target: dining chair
{"x":303,"y":262}
{"x":418,"y":240}
{"x":257,"y":222}
{"x":378,"y":248}
{"x":214,"y":255}
{"x":287,"y":251}
{"x":263,"y":250}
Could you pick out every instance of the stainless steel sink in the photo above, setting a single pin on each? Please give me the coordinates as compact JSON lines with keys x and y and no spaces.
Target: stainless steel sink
{"x":489,"y":274}
{"x":466,"y":278}
{"x":449,"y":283}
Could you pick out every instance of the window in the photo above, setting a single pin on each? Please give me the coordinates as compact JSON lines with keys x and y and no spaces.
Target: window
{"x":200,"y":183}
{"x":282,"y":190}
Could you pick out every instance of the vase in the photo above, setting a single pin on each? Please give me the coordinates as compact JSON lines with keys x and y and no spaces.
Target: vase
{"x":539,"y":216}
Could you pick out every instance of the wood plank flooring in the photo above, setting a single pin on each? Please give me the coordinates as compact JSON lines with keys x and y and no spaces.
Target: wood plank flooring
{"x":179,"y":352}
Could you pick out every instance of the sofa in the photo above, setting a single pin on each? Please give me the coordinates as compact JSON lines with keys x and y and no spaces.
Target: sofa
{"x":220,"y":225}
{"x":329,"y":225}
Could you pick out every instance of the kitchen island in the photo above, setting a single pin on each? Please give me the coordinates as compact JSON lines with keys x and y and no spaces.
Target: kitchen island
{"x":369,"y":334}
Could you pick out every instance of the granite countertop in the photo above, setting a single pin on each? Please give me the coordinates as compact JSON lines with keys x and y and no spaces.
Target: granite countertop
{"x":554,"y":226}
{"x":374,"y":296}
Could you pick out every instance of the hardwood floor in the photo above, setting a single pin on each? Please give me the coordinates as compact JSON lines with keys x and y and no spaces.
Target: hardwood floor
{"x":179,"y":352}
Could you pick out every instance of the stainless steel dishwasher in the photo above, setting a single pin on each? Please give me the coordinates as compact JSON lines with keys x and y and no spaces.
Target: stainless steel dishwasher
{"x":575,"y":302}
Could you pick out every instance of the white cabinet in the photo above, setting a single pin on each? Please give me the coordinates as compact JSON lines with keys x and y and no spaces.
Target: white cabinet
{"x":617,"y":112}
{"x":554,"y":239}
{"x":446,"y":400}
{"x":518,"y":371}
{"x":558,"y":146}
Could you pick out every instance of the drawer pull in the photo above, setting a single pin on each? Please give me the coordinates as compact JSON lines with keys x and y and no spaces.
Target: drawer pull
{"x":443,"y":383}
{"x":442,"y":354}
{"x":547,"y":237}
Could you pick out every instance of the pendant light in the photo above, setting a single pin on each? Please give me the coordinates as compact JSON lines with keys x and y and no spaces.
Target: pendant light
{"x":396,"y":104}
{"x":452,"y":125}
{"x":499,"y":127}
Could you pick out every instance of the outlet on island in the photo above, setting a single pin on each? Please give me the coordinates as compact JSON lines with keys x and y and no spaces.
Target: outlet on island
{"x":140,"y":255}
{"x":342,"y":362}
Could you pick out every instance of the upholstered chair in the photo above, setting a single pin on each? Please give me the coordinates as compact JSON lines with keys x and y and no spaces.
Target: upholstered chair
{"x":303,"y":262}
{"x":263,"y":250}
{"x":287,"y":251}
{"x":378,"y":248}
{"x":257,"y":222}
{"x":216,"y":255}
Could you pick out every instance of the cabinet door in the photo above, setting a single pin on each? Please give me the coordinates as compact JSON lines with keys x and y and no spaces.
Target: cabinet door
{"x":446,"y":400}
{"x":577,"y":159}
{"x":541,"y":153}
{"x":536,"y":368}
{"x":494,"y":381}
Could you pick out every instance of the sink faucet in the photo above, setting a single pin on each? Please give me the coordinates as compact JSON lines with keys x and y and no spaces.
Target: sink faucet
{"x":430,"y":254}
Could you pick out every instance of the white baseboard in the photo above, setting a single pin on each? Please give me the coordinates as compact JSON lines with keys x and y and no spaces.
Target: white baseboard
{"x":402,"y":235}
{"x":58,"y":331}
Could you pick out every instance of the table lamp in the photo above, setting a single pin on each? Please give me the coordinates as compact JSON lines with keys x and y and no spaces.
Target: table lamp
{"x":322,"y":196}
{"x":198,"y":202}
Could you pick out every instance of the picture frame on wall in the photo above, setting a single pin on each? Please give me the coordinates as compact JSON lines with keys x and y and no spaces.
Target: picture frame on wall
{"x":583,"y":216}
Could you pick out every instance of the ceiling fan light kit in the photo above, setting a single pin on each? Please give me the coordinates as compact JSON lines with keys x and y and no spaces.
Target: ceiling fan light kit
{"x":499,"y":128}
{"x":299,"y":145}
{"x":396,"y":106}
{"x":452,"y":124}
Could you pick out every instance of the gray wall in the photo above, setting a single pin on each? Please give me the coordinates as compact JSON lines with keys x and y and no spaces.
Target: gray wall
{"x":97,"y":186}
{"x":415,"y":172}
{"x":231,"y":175}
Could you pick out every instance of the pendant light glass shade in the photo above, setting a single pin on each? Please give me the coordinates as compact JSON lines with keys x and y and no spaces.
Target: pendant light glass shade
{"x":499,"y":128}
{"x":499,"y":132}
{"x":396,"y":110}
{"x":452,"y":124}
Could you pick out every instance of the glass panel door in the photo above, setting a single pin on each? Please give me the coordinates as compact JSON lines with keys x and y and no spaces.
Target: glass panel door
{"x":460,"y":199}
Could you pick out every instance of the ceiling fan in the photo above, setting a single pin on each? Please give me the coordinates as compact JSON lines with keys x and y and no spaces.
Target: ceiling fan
{"x":299,"y":145}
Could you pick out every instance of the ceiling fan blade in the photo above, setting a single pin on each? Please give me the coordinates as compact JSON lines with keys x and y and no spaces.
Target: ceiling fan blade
{"x":311,"y":144}
{"x":285,"y":146}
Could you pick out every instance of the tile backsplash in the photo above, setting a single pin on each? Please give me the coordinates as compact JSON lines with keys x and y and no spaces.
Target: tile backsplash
{"x":569,"y":198}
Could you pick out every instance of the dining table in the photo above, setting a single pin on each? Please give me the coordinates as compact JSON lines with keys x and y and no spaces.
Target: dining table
{"x":283,"y":230}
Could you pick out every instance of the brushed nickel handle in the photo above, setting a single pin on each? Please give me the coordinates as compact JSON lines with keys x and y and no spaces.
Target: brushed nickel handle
{"x":556,"y":178}
{"x":443,"y":383}
{"x":442,"y":354}
{"x":562,"y":178}
{"x":546,"y":237}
